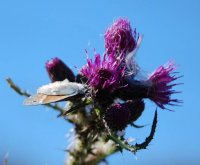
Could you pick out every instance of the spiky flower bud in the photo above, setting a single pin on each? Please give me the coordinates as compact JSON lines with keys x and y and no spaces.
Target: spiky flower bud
{"x":118,"y":116}
{"x":59,"y":71}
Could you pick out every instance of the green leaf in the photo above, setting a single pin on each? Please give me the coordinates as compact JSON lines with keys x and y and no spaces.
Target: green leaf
{"x":137,"y":126}
{"x":98,"y":111}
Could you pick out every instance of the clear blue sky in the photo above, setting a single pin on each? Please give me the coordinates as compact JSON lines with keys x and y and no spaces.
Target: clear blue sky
{"x":33,"y":31}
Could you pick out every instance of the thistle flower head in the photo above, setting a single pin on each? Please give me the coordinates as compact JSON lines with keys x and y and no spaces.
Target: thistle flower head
{"x":120,"y":38}
{"x":58,"y":70}
{"x":103,"y":74}
{"x":118,"y":116}
{"x":161,"y":90}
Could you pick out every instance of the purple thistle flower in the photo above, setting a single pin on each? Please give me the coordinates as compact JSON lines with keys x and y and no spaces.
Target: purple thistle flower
{"x":58,"y":70}
{"x":120,"y":38}
{"x":158,"y":87}
{"x":122,"y":41}
{"x":103,"y":74}
{"x":118,"y":116}
{"x":161,"y":85}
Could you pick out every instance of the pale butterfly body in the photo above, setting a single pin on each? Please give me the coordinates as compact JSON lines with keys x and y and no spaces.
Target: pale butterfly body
{"x":57,"y":91}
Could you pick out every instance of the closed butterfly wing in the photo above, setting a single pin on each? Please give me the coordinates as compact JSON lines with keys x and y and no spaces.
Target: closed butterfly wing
{"x":62,"y":88}
{"x":43,"y":99}
{"x":54,"y":92}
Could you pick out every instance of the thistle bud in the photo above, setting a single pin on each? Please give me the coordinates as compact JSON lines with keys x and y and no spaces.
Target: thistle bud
{"x":59,"y":71}
{"x":118,"y":116}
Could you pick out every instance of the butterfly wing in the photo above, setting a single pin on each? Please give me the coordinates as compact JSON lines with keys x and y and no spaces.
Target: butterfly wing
{"x":43,"y":99}
{"x":54,"y":92}
{"x":62,"y":88}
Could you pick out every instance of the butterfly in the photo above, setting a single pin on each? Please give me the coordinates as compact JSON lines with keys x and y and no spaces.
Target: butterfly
{"x":56,"y":91}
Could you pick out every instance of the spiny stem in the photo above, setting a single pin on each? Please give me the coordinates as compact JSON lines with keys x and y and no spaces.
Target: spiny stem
{"x":5,"y":162}
{"x":24,"y":93}
{"x":151,"y":135}
{"x":16,"y":88}
{"x":122,"y":144}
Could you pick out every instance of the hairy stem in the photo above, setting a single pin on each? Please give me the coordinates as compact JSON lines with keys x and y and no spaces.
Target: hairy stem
{"x":24,"y":93}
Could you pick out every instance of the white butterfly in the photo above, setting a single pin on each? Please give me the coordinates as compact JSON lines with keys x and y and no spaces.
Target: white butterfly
{"x":54,"y":92}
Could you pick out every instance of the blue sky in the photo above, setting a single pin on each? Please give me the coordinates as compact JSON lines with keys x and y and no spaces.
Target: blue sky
{"x":32,"y":32}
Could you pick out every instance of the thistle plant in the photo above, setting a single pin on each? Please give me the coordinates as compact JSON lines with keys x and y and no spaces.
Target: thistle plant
{"x":106,"y":96}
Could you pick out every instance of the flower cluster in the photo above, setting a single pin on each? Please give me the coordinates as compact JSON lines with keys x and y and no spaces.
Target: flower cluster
{"x":106,"y":96}
{"x":106,"y":79}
